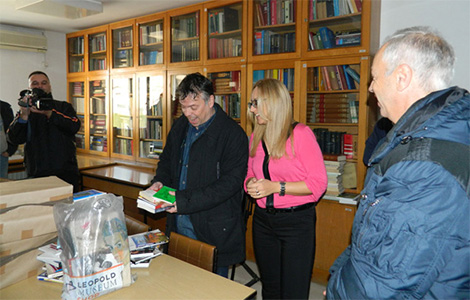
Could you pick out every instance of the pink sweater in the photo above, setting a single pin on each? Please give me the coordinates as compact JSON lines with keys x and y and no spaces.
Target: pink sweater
{"x":307,"y":165}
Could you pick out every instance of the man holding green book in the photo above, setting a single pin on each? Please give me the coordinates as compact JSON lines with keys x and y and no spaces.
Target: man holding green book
{"x":205,"y":159}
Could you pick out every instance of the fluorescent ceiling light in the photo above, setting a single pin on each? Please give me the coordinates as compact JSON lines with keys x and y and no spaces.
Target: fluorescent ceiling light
{"x":70,"y":9}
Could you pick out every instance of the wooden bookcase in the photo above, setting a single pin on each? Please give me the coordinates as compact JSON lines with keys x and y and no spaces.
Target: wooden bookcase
{"x":151,"y":54}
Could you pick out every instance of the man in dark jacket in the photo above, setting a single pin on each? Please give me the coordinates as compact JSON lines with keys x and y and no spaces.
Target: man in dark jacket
{"x":7,"y":149}
{"x":411,"y":237}
{"x":205,"y":158}
{"x":48,"y":135}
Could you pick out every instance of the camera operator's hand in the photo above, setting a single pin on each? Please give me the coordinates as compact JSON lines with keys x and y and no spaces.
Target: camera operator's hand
{"x":24,"y":109}
{"x":47,"y":113}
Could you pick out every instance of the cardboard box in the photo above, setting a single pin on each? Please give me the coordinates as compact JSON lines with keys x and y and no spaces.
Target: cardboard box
{"x":26,"y":223}
{"x":33,"y":191}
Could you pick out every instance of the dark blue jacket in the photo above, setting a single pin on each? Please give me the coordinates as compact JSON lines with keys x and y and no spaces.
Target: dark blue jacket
{"x":218,"y":162}
{"x":411,"y":233}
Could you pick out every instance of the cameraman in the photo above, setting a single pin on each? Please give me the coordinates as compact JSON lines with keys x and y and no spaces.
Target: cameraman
{"x":49,"y":134}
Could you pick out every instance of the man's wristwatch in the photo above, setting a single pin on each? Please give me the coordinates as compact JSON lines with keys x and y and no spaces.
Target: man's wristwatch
{"x":283,"y":188}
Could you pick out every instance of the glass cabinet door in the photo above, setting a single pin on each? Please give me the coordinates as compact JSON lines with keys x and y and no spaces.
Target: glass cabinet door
{"x":98,"y":113}
{"x":77,"y":99}
{"x":274,"y":26}
{"x":176,"y":112}
{"x":122,"y":128}
{"x":76,"y":54}
{"x":97,"y":51}
{"x":151,"y":43}
{"x":185,"y":37}
{"x":224,"y":25}
{"x":122,"y":47}
{"x":151,"y":117}
{"x":227,"y":92}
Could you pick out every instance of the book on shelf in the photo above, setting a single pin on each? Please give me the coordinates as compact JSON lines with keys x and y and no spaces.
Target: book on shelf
{"x":149,"y":239}
{"x":327,"y":37}
{"x":353,"y":73}
{"x":156,"y":196}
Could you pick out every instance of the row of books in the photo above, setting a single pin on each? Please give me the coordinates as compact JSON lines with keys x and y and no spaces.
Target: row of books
{"x":332,"y":108}
{"x":150,"y":57}
{"x":78,"y":88}
{"x":333,"y":78}
{"x":336,"y":143}
{"x":123,"y":58}
{"x":286,"y":76}
{"x":329,"y":39}
{"x":123,"y":146}
{"x":226,"y":82}
{"x":223,"y":20}
{"x":221,"y":48}
{"x":77,"y":64}
{"x":98,"y":43}
{"x":153,"y":130}
{"x":77,"y":45}
{"x":185,"y":51}
{"x":79,"y":104}
{"x":151,"y":34}
{"x":123,"y":38}
{"x":268,"y":42}
{"x":274,"y":12}
{"x":97,"y":64}
{"x":230,"y":104}
{"x":98,"y":105}
{"x":320,"y":9}
{"x":185,"y":27}
{"x":155,"y":110}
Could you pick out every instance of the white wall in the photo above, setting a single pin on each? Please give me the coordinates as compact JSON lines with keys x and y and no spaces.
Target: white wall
{"x":15,"y":66}
{"x":450,"y":17}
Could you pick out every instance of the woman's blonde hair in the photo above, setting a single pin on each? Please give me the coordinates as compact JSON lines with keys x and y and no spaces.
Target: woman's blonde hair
{"x":275,"y":106}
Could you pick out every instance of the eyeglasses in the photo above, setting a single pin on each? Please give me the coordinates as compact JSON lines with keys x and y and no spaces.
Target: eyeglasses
{"x":253,"y":103}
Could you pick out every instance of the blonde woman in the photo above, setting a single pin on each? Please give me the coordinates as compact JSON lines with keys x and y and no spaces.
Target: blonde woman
{"x":286,"y":177}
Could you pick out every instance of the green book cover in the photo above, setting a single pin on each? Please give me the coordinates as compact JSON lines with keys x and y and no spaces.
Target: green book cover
{"x":164,"y":195}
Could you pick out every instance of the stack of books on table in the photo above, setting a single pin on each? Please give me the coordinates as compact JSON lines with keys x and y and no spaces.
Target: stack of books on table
{"x":153,"y":200}
{"x":52,"y":269}
{"x":146,"y":246}
{"x":334,"y":169}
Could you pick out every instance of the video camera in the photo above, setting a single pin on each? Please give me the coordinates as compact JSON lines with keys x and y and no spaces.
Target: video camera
{"x":39,"y":99}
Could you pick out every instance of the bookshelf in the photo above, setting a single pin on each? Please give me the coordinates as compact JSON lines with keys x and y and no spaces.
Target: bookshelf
{"x":151,"y":117}
{"x":226,"y":35}
{"x":122,"y":34}
{"x":97,"y":50}
{"x":185,"y":36}
{"x":76,"y":92}
{"x":76,"y":53}
{"x":229,"y":94}
{"x":150,"y":32}
{"x":98,"y":116}
{"x":122,"y":127}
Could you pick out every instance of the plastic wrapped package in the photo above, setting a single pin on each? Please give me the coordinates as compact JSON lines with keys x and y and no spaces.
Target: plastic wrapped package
{"x":95,"y":250}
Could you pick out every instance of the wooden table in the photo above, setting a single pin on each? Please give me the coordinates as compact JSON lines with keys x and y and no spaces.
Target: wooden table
{"x":166,"y":278}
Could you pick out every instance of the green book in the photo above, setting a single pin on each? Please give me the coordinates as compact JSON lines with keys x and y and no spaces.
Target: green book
{"x":156,"y":196}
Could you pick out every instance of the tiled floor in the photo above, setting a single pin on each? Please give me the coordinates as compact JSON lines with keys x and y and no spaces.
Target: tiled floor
{"x":316,"y":290}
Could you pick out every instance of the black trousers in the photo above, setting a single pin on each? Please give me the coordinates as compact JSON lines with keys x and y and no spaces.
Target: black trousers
{"x":284,"y":245}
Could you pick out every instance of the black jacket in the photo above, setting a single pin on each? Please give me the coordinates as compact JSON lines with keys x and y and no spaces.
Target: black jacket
{"x":213,"y":197}
{"x":7,"y":117}
{"x":49,"y":143}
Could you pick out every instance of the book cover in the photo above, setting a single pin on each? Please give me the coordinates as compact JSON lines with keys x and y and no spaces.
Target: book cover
{"x":327,"y":37}
{"x":147,"y":239}
{"x":156,"y":196}
{"x":353,"y":74}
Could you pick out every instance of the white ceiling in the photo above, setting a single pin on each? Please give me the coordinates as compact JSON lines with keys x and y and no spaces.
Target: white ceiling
{"x":113,"y":10}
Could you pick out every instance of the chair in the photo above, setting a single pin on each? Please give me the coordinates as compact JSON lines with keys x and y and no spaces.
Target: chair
{"x":135,"y":226}
{"x":193,"y":251}
{"x":247,"y":211}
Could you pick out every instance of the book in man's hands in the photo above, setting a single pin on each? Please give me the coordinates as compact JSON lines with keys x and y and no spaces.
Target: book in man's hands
{"x":156,"y":196}
{"x":151,"y":206}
